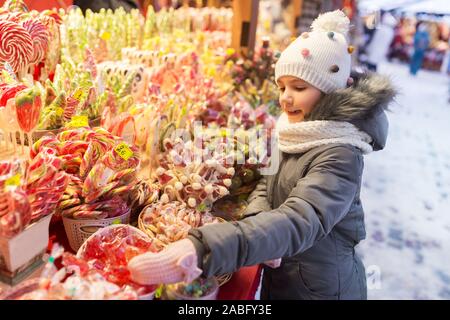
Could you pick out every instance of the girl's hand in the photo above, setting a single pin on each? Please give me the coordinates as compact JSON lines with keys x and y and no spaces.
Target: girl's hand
{"x":176,"y":263}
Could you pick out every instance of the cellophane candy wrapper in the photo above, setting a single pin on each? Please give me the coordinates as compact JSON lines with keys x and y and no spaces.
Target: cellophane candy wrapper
{"x":74,"y":281}
{"x":99,"y":178}
{"x":167,"y":223}
{"x":46,"y":183}
{"x":109,"y":250}
{"x":15,"y":210}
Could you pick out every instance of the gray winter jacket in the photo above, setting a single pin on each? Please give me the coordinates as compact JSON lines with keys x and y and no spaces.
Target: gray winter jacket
{"x":309,"y":213}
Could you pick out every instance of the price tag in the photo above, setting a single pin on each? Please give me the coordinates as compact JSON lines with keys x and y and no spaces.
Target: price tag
{"x":59,"y":111}
{"x":124,"y":151}
{"x":14,"y":181}
{"x":106,"y":36}
{"x":79,"y":122}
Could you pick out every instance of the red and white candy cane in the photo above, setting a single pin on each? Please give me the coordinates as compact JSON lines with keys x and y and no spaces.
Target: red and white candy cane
{"x":18,"y":213}
{"x":16,"y":46}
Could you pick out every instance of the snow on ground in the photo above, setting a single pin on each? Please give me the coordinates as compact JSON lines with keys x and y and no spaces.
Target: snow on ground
{"x":406,"y":193}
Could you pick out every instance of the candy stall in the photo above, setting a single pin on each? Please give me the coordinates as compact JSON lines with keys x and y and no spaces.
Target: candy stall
{"x":93,"y":170}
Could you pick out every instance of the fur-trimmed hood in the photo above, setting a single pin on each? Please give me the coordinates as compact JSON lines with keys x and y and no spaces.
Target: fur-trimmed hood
{"x":363,"y":104}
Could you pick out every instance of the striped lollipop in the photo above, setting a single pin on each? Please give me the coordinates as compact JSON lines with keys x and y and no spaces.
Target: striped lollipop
{"x":16,"y":46}
{"x":15,"y":5}
{"x":39,"y":36}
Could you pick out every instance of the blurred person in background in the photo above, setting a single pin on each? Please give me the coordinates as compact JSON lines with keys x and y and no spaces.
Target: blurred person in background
{"x":378,"y":47}
{"x":421,"y":43}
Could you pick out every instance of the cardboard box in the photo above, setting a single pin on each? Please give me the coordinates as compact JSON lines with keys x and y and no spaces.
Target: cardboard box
{"x":24,"y":249}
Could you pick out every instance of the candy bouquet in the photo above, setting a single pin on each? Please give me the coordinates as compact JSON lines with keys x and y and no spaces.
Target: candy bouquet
{"x":74,"y":91}
{"x":105,"y":32}
{"x":29,"y":194}
{"x":101,"y":170}
{"x":29,"y":191}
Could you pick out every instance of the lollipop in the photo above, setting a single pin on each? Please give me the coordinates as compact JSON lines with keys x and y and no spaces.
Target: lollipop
{"x":9,"y":92}
{"x":39,"y":36}
{"x":28,"y":108}
{"x":15,"y":213}
{"x":16,"y":45}
{"x":15,"y":5}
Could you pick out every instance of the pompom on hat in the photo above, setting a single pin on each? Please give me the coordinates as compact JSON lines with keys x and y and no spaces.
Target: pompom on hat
{"x":321,"y":57}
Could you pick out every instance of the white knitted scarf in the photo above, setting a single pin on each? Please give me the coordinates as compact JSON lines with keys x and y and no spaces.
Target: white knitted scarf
{"x":302,"y":136}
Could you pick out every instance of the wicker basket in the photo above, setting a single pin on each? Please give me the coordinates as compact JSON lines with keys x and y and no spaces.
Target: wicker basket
{"x":78,"y":231}
{"x":147,"y":296}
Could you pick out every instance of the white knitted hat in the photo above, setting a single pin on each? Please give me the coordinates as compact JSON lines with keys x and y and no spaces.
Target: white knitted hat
{"x":320,"y":57}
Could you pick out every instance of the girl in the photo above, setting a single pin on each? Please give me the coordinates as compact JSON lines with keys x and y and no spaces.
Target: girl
{"x":310,"y":212}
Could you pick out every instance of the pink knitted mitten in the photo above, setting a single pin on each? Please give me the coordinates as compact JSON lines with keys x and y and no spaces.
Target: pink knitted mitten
{"x":176,"y":263}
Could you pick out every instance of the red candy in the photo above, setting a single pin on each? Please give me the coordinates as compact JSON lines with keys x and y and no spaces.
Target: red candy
{"x":40,"y":38}
{"x":15,"y":213}
{"x":16,"y":45}
{"x":110,"y":249}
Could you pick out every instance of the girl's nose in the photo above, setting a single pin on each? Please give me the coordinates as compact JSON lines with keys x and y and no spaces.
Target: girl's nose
{"x":286,"y":98}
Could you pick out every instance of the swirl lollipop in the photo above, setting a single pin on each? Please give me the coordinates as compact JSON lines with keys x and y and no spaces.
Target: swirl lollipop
{"x":40,"y":38}
{"x":16,"y":45}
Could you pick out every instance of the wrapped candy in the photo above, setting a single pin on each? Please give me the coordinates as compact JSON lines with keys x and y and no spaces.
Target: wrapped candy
{"x":183,"y":178}
{"x":39,"y":37}
{"x":15,"y":212}
{"x":45,"y":183}
{"x":171,"y":222}
{"x":98,"y":210}
{"x":110,"y":249}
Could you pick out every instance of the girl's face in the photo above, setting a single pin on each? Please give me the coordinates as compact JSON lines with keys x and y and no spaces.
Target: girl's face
{"x":297,"y":97}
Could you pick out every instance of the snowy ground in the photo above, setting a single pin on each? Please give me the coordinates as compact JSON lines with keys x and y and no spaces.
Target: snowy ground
{"x":406,"y":194}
